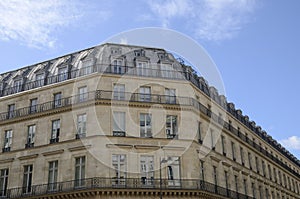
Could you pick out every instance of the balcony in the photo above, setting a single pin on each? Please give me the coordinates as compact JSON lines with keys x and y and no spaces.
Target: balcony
{"x":98,"y":184}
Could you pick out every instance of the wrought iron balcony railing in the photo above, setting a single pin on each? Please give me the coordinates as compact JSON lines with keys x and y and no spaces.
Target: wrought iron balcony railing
{"x":124,"y":183}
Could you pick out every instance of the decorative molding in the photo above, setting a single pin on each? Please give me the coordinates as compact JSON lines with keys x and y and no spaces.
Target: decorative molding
{"x":7,"y":160}
{"x":27,"y":157}
{"x":79,"y":148}
{"x":53,"y":152}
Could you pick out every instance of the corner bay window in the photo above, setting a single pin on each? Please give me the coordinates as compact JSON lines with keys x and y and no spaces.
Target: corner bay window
{"x":145,"y":125}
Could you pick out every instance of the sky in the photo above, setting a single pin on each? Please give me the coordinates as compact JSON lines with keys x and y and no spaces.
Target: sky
{"x":254,"y":43}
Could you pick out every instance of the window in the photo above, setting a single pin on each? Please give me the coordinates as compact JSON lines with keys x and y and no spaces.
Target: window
{"x":202,"y":169}
{"x":57,"y":100}
{"x":119,"y":92}
{"x":55,"y":131}
{"x":82,"y":94}
{"x":119,"y":164}
{"x":233,"y":151}
{"x":145,"y":125}
{"x":236,"y":183}
{"x":79,"y":171}
{"x":215,"y":176}
{"x":119,"y":124}
{"x":242,"y":155}
{"x":170,"y":95}
{"x":171,"y":127}
{"x":280,"y":178}
{"x":226,"y":180}
{"x":260,"y":192}
{"x":3,"y":181}
{"x":173,"y":171}
{"x":33,"y":105}
{"x":143,"y":68}
{"x":223,"y":140}
{"x":249,"y":160}
{"x":27,"y":178}
{"x":263,"y":168}
{"x":270,"y":172}
{"x":11,"y":111}
{"x":39,"y":78}
{"x":30,"y":136}
{"x":117,"y":67}
{"x":62,"y":74}
{"x":145,"y":94}
{"x":253,"y":190}
{"x":7,"y":140}
{"x":212,"y":140}
{"x":81,"y":126}
{"x":257,"y":164}
{"x":199,"y":133}
{"x":17,"y":85}
{"x":52,"y":175}
{"x":245,"y":187}
{"x":167,"y":70}
{"x":274,"y":173}
{"x":147,"y":170}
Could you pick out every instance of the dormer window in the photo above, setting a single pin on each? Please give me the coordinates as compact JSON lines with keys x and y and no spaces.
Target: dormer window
{"x":117,"y":66}
{"x":139,"y":53}
{"x":116,"y":51}
{"x":39,"y":78}
{"x":17,"y":85}
{"x":62,"y":74}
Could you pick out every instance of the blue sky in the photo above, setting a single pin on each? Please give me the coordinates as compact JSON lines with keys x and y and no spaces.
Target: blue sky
{"x":254,"y":43}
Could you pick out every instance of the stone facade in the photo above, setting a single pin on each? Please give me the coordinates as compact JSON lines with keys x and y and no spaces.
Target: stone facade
{"x":131,"y":121}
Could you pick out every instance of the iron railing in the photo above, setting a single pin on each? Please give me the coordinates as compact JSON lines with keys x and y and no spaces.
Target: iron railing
{"x":121,"y":183}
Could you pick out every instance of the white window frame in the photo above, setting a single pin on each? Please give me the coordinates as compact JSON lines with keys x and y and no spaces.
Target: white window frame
{"x":82,"y":94}
{"x":3,"y":181}
{"x":172,"y":126}
{"x":81,"y":125}
{"x":31,"y":135}
{"x":147,"y":170}
{"x":119,"y":163}
{"x":57,"y":97}
{"x":80,"y":171}
{"x":55,"y":130}
{"x":170,"y":95}
{"x":52,"y":175}
{"x":62,"y":73}
{"x":8,"y":139}
{"x":173,"y":171}
{"x":119,"y":91}
{"x":27,"y":178}
{"x":145,"y":94}
{"x":119,"y":123}
{"x":145,"y":125}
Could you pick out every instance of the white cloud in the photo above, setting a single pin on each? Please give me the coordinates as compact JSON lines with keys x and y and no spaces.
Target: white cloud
{"x":292,"y":142}
{"x":35,"y":22}
{"x":210,"y":19}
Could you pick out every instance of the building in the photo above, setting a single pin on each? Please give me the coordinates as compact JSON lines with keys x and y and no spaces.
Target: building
{"x":122,"y":121}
